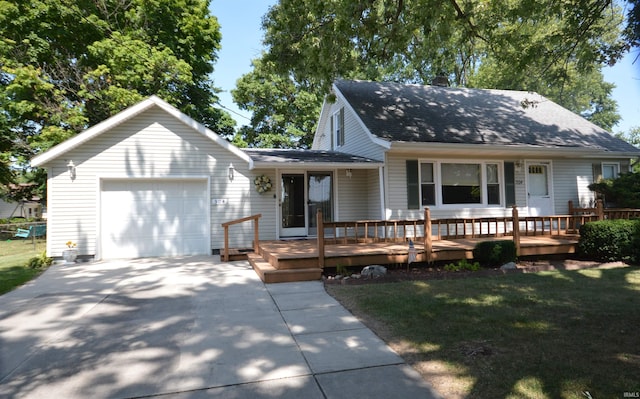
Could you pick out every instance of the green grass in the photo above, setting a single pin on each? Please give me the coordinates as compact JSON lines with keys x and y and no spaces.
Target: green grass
{"x":14,"y":255}
{"x":547,"y":335}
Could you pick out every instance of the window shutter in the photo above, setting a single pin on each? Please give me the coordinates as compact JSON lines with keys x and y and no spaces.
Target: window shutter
{"x":509,"y":184}
{"x":413,"y":185}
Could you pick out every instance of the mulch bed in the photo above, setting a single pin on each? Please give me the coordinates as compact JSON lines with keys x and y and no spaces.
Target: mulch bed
{"x":425,"y":272}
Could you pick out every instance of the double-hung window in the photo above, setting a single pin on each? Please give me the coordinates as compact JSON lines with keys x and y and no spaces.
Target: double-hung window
{"x":460,"y":183}
{"x":610,"y":170}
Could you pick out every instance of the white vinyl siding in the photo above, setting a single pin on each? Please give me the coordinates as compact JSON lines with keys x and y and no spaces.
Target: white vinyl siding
{"x":353,"y":195}
{"x":356,"y":139}
{"x":150,"y":145}
{"x":570,"y":183}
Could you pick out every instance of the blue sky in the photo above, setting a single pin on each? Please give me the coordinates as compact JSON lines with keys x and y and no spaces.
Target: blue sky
{"x":240,"y":22}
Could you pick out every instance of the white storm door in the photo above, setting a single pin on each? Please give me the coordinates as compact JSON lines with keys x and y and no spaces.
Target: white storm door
{"x":141,"y":218}
{"x":539,"y":199}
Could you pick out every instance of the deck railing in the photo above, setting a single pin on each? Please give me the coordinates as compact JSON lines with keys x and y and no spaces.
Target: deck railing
{"x":428,"y":230}
{"x":256,"y":235}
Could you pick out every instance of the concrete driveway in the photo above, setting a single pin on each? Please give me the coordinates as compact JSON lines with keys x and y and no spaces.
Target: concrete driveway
{"x":188,"y":327}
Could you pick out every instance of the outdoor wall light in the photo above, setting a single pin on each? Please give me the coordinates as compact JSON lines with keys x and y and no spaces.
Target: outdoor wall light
{"x":349,"y":173}
{"x":231,"y":172}
{"x":72,"y":170}
{"x":518,"y":166}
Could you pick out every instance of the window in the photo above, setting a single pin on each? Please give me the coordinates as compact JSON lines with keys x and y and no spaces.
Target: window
{"x":493,"y":184}
{"x":610,"y":170}
{"x":338,"y":127}
{"x":458,"y":183}
{"x":427,"y":184}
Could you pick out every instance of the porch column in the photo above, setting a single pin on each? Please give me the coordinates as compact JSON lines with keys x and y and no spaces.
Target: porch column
{"x":516,"y":228}
{"x":428,"y":245}
{"x":320,"y":238}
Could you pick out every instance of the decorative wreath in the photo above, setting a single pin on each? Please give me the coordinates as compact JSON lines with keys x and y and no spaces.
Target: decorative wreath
{"x":262,"y":183}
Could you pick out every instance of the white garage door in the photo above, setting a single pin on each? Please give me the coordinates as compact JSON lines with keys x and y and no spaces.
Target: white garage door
{"x":154,"y":218}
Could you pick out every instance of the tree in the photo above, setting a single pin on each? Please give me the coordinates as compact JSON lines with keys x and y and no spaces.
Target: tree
{"x":322,"y":40}
{"x":554,"y":48}
{"x":68,"y":64}
{"x":285,"y":112}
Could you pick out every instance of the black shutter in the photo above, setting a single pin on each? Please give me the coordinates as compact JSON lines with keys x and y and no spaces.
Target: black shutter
{"x":509,"y":184}
{"x":413,"y":185}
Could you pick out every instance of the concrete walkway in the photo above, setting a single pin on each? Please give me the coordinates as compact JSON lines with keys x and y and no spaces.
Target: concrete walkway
{"x":188,"y":328}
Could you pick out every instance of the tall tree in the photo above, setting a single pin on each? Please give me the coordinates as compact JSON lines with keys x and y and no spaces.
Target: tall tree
{"x":68,"y":64}
{"x":284,"y":111}
{"x":554,"y":48}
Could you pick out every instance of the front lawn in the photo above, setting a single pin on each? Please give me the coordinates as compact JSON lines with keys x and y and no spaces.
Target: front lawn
{"x":561,"y":334}
{"x":14,"y":255}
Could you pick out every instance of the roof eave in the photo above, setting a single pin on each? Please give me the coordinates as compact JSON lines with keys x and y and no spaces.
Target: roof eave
{"x":509,"y":150}
{"x":316,"y":165}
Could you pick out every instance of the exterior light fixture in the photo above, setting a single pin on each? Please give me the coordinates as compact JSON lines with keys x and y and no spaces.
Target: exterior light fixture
{"x":231,"y":172}
{"x":72,"y":170}
{"x":349,"y":173}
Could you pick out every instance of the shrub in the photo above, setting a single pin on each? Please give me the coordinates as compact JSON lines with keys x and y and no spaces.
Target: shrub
{"x":610,"y":240}
{"x":462,"y":264}
{"x":40,"y":261}
{"x":495,"y":253}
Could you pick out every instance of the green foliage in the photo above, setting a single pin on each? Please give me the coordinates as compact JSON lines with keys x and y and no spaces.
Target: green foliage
{"x":462,"y":265}
{"x":40,"y":261}
{"x":342,"y":270}
{"x":284,"y":112}
{"x":610,"y":240}
{"x":66,"y":65}
{"x":495,"y":253}
{"x":623,"y":192}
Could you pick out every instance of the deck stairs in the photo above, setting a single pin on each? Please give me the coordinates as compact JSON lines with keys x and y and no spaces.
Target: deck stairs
{"x":271,"y":269}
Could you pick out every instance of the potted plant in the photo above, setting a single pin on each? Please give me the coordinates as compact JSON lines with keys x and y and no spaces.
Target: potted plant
{"x":71,"y":253}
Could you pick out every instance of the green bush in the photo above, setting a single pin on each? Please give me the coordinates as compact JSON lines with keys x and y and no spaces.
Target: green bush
{"x":623,"y":192}
{"x":495,"y":253}
{"x":610,"y":240}
{"x":40,"y":261}
{"x":462,"y":264}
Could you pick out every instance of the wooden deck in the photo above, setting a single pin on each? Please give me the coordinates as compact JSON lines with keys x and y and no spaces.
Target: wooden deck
{"x":296,"y":260}
{"x":366,"y":242}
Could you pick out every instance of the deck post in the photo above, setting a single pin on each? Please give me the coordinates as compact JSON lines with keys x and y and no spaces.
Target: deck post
{"x":516,"y":228}
{"x":428,"y":245}
{"x":600,"y":209}
{"x":225,"y":254}
{"x":320,"y":224}
{"x":256,"y":235}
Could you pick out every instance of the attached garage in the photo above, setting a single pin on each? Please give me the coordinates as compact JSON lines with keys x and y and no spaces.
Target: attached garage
{"x":154,"y":217}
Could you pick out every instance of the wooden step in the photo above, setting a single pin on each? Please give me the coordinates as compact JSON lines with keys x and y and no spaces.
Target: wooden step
{"x":270,"y":274}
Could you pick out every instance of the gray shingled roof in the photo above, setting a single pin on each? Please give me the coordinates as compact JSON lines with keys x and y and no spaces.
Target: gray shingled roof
{"x":431,"y":114}
{"x":305,"y":156}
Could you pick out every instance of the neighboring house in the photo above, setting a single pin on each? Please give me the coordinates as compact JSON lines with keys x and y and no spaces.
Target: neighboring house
{"x":151,"y":181}
{"x":31,"y":208}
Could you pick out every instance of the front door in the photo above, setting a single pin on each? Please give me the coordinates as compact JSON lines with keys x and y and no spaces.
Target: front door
{"x":301,"y":196}
{"x":292,"y":204}
{"x":539,"y":197}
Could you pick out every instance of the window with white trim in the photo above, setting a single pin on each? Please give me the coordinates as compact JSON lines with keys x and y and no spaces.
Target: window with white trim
{"x":460,"y":183}
{"x":610,"y":170}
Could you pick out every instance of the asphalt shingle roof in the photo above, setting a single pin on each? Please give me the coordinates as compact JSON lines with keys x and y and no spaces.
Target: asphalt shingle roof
{"x":432,"y":114}
{"x":305,"y":156}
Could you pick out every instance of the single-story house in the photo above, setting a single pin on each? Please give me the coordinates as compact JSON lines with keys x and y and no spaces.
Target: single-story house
{"x":151,"y":181}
